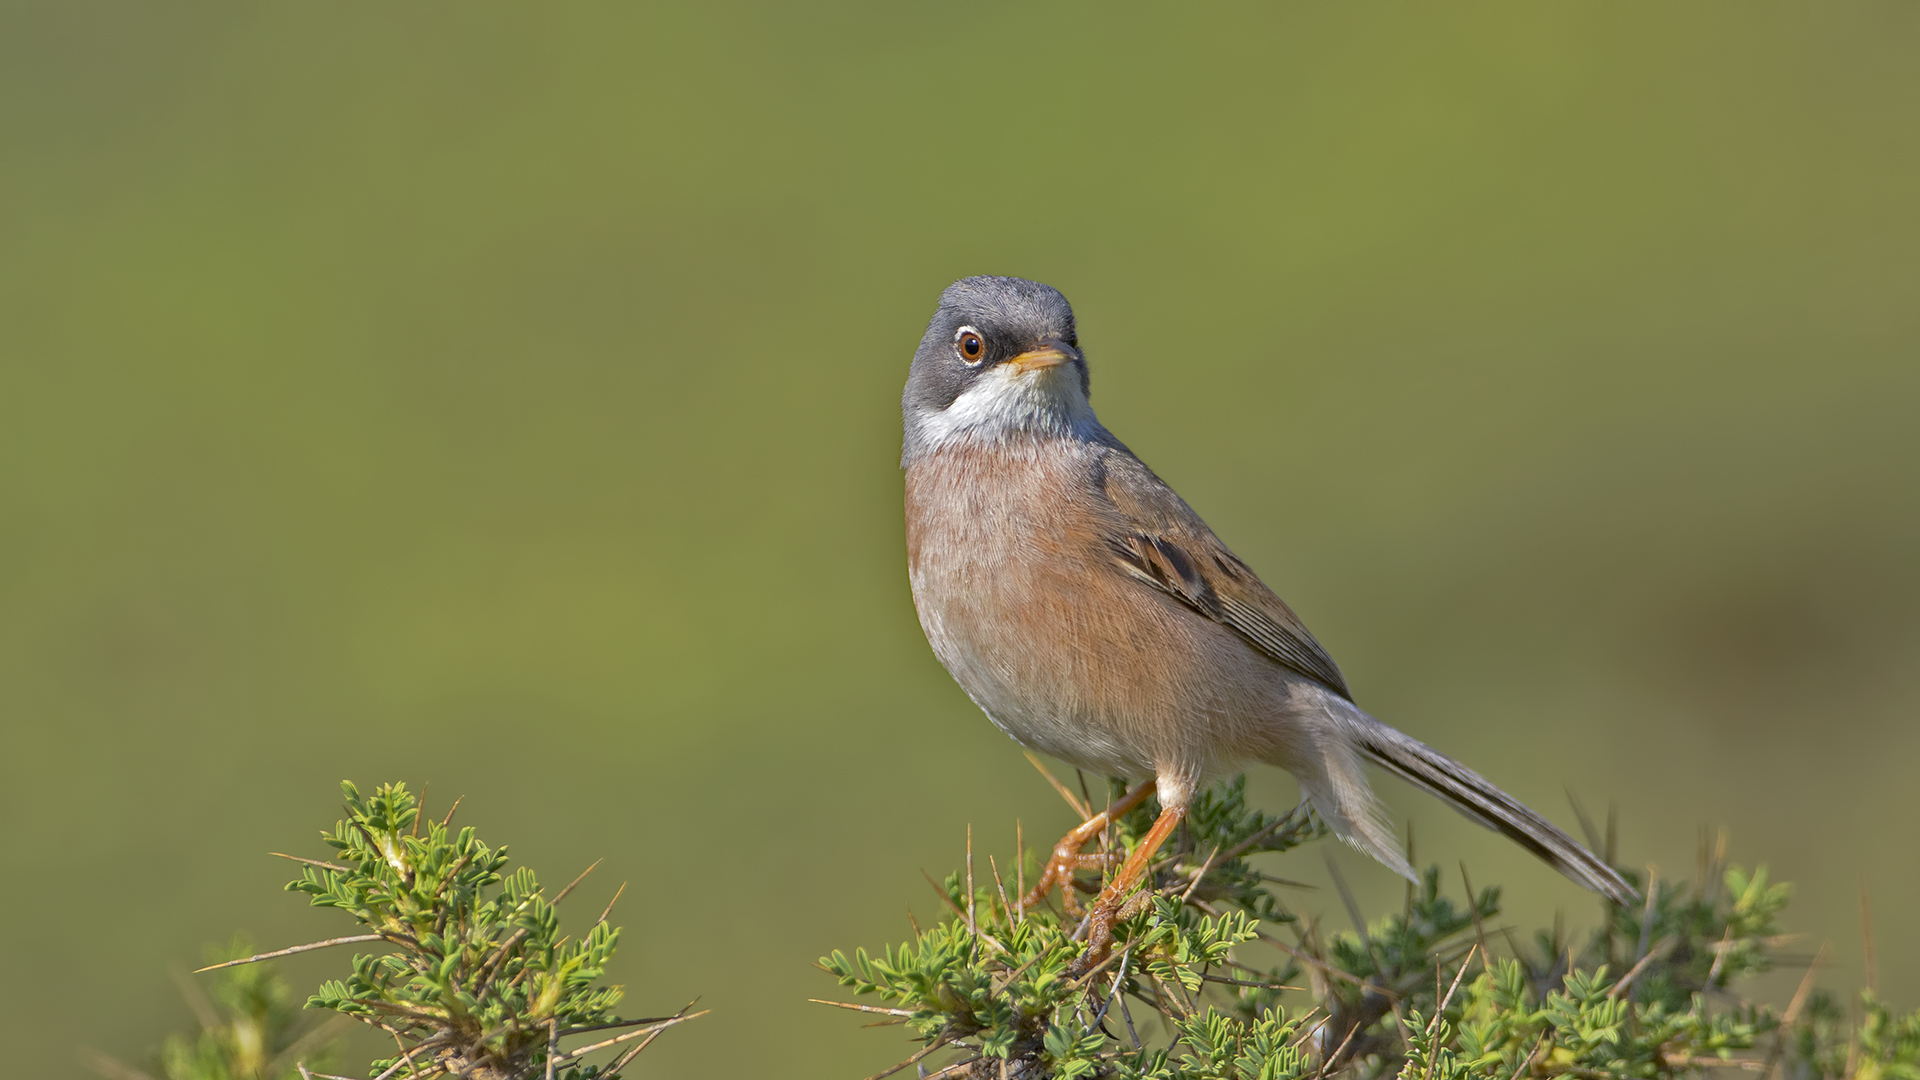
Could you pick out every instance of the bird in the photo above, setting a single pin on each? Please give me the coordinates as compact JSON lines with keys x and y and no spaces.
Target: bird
{"x":1094,"y":617}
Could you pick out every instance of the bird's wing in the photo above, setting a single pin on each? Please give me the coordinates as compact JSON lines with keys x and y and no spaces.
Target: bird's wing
{"x":1159,"y":541}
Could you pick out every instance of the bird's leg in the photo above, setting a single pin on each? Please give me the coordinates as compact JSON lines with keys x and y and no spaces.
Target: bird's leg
{"x":1107,"y":908}
{"x":1066,"y":856}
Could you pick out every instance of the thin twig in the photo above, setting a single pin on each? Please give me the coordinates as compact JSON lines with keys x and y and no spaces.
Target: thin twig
{"x":406,"y":1055}
{"x":1119,"y":976}
{"x":450,"y":810}
{"x":1685,"y":1061}
{"x":622,"y":1061}
{"x":614,"y":1025}
{"x":1019,"y":871}
{"x":196,"y":999}
{"x":1720,"y":955}
{"x":1247,"y":845}
{"x":1626,"y":981}
{"x":1128,"y":1014}
{"x":1866,"y":935}
{"x":915,"y":1059}
{"x":110,"y":1067}
{"x":579,"y":1052}
{"x":313,"y":862}
{"x":1646,"y":914}
{"x":1433,"y":1026}
{"x":1527,"y":1061}
{"x":1445,"y":1001}
{"x":973,"y":923}
{"x":1255,"y":985}
{"x":1086,"y":813}
{"x":322,"y":1032}
{"x":954,"y":1069}
{"x":1327,"y":1063}
{"x":348,"y":940}
{"x":1000,"y":885}
{"x":1318,"y":965}
{"x":1793,"y":1008}
{"x":583,"y":876}
{"x":1301,"y":1038}
{"x":948,"y":900}
{"x":608,"y":910}
{"x":1200,"y":873}
{"x":862,"y":1008}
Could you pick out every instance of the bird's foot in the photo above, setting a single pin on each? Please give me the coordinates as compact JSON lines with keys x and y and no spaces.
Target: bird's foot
{"x":1067,"y":860}
{"x":1114,"y":905}
{"x":1108,"y":912}
{"x":1060,"y":870}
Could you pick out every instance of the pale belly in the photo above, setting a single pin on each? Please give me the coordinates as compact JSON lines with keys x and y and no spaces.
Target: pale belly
{"x":1021,"y":601}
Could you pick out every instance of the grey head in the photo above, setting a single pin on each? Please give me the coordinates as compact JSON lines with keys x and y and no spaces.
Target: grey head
{"x":1000,"y":362}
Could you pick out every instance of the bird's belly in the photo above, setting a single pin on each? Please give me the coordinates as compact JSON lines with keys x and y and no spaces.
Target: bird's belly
{"x":1073,"y":659}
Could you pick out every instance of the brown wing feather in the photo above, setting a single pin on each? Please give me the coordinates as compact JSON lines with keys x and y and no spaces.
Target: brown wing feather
{"x":1161,"y":542}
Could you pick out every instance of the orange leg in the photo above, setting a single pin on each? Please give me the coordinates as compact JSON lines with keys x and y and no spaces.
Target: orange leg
{"x":1107,"y":908}
{"x":1066,"y":854}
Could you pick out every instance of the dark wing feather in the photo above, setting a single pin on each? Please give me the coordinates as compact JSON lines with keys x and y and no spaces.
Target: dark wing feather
{"x":1161,"y":542}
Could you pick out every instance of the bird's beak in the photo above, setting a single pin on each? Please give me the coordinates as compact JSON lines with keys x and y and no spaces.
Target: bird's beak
{"x":1051,"y":353}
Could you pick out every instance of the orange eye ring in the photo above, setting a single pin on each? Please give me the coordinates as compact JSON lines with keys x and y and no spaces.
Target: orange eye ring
{"x":970,"y":345}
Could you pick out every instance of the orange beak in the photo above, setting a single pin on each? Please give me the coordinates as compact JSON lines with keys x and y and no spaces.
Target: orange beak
{"x":1049,"y":354}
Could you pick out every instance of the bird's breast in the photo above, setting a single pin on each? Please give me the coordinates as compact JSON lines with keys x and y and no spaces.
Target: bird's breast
{"x":1020,"y":597}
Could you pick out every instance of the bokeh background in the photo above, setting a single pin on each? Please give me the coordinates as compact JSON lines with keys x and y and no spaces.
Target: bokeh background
{"x":503,"y":398}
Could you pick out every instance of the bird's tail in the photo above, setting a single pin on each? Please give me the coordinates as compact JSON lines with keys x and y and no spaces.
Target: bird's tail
{"x":1472,"y":794}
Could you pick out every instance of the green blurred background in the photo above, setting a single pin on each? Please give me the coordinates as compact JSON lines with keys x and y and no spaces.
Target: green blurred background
{"x":504,"y":397}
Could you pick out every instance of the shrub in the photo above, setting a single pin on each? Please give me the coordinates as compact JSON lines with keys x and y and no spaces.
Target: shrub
{"x":1419,"y":993}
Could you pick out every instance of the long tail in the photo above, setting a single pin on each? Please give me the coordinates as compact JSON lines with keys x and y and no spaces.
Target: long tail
{"x":1472,"y":794}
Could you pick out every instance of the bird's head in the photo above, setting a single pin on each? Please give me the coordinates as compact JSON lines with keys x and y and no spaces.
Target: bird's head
{"x":1000,"y":360}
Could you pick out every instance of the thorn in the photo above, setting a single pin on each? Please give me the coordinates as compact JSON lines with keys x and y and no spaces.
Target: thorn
{"x":1086,"y":813}
{"x":609,"y":908}
{"x":289,"y":952}
{"x":578,"y":880}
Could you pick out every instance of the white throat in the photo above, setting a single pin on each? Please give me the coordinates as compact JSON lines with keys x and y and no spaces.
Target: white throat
{"x":1006,"y":403}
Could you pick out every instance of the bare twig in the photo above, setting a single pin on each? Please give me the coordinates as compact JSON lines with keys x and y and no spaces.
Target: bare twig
{"x":330,"y":942}
{"x":862,"y":1008}
{"x":1793,"y":1008}
{"x":999,"y":885}
{"x":1200,"y":873}
{"x":1866,"y":935}
{"x":1646,"y":914}
{"x":957,"y":910}
{"x":608,"y":910}
{"x":1244,"y":846}
{"x":973,"y":923}
{"x":1473,"y":905}
{"x":915,"y":1059}
{"x":313,"y":862}
{"x":1626,"y":981}
{"x":1720,"y":955}
{"x":1318,"y":965}
{"x":110,"y":1067}
{"x":1085,"y":812}
{"x":1255,"y":985}
{"x":1019,"y":870}
{"x":655,"y":1029}
{"x":562,"y":895}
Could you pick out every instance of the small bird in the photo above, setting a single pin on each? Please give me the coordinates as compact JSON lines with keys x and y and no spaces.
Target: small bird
{"x":1093,"y":616}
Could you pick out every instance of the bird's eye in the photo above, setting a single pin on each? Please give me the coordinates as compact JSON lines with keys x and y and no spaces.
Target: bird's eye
{"x":971,"y":345}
